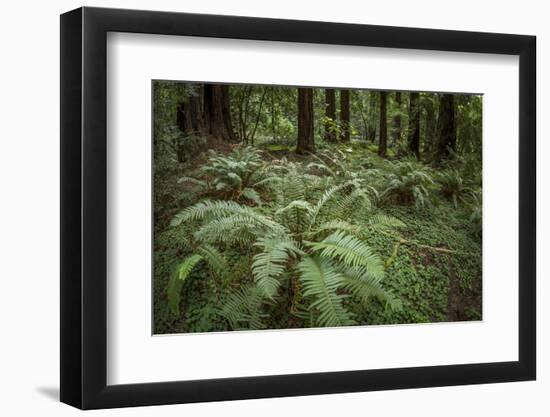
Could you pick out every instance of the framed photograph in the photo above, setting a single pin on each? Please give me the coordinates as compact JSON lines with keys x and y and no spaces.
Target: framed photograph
{"x":258,"y":208}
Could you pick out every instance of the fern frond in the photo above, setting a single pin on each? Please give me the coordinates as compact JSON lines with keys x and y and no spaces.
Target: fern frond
{"x":242,"y":309}
{"x":349,"y":250}
{"x":217,"y":209}
{"x":296,"y":204}
{"x":270,"y":264}
{"x":364,"y":286}
{"x":321,"y":167}
{"x":340,"y":225}
{"x":355,"y":201}
{"x":321,"y":281}
{"x":325,"y":198}
{"x":231,"y":229}
{"x":383,"y":221}
{"x":193,"y":181}
{"x":252,"y":195}
{"x":177,"y":279}
{"x":214,"y":258}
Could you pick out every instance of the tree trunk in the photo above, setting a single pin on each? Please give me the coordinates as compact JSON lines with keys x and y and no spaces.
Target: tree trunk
{"x":330,"y":115}
{"x":373,"y":120}
{"x":446,"y":128}
{"x":189,"y":121}
{"x":217,"y":111}
{"x":413,"y":138}
{"x":344,"y":116}
{"x":258,"y":116}
{"x":383,"y":129}
{"x":273,"y":119}
{"x":189,"y":117}
{"x":305,"y":143}
{"x":429,"y":136}
{"x":397,"y":120}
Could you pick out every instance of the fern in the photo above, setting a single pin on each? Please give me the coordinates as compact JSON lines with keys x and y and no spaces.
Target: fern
{"x":218,"y":209}
{"x":270,"y":264}
{"x":229,"y":230}
{"x":351,"y":251}
{"x":409,"y":182}
{"x":252,"y":195}
{"x":242,"y":309}
{"x":177,"y":279}
{"x":215,"y":260}
{"x":365,"y":286}
{"x":382,"y":221}
{"x":321,"y":281}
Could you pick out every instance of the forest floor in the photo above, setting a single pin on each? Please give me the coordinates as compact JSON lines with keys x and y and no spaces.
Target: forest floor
{"x":435,"y":270}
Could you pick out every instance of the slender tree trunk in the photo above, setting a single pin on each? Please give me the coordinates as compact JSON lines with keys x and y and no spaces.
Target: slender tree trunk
{"x":258,"y":116}
{"x":397,"y":120}
{"x":217,"y":111}
{"x":344,"y":116}
{"x":273,"y":118}
{"x":373,"y":120}
{"x":413,"y":138}
{"x":305,"y":143}
{"x":363,"y":116}
{"x":446,"y":128}
{"x":383,"y":136}
{"x":330,"y":115}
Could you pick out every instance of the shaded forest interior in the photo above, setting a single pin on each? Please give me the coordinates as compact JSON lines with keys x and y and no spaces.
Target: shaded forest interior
{"x":285,"y":207}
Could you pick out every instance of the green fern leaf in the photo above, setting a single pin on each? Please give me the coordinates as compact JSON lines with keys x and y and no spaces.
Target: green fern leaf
{"x":270,"y":264}
{"x":177,"y":279}
{"x":321,"y":281}
{"x":349,"y":250}
{"x":252,"y":195}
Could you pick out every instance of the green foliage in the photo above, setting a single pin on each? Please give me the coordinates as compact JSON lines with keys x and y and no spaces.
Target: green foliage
{"x":178,"y":278}
{"x":409,"y":182}
{"x":310,"y":227}
{"x":452,"y":185}
{"x":255,"y":237}
{"x":321,"y":281}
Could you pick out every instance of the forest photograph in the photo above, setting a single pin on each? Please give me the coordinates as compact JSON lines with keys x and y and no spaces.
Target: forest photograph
{"x":282,"y":207}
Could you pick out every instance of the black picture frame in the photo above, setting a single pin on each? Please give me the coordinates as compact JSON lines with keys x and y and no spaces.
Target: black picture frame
{"x":84,"y":207}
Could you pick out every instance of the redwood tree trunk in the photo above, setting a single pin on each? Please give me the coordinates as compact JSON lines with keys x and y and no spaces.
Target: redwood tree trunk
{"x":305,"y":143}
{"x":397,"y":120}
{"x":373,"y":120}
{"x":217,"y":112}
{"x":330,"y":115}
{"x":383,"y":126}
{"x":429,"y":137}
{"x":344,"y":116}
{"x":414,"y":125}
{"x":446,"y":128}
{"x":189,"y":116}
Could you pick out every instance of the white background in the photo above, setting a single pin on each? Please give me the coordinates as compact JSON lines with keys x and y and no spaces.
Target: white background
{"x":29,"y":220}
{"x":133,"y":60}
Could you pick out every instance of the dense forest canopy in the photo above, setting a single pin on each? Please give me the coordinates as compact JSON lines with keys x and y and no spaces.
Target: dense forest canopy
{"x":281,"y":207}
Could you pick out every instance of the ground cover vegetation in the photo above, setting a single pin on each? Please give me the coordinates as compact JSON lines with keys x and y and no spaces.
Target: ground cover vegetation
{"x":279,"y":207}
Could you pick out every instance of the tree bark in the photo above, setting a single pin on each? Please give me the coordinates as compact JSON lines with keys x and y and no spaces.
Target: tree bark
{"x":344,"y":116}
{"x":446,"y":128}
{"x":413,"y":138}
{"x":373,"y":120}
{"x":217,"y":112}
{"x":429,"y":136}
{"x":330,"y":115}
{"x":189,"y":116}
{"x":383,"y":128}
{"x":397,"y":120}
{"x":305,"y":143}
